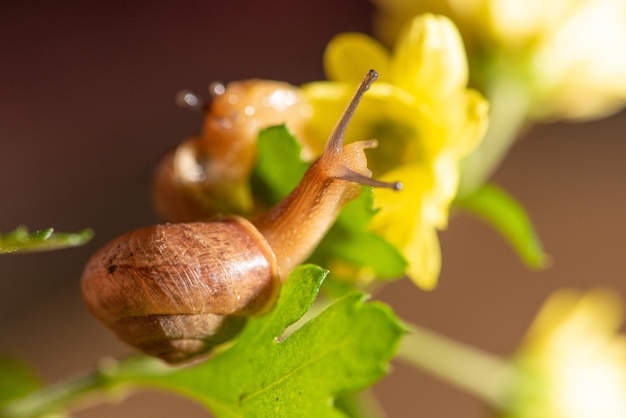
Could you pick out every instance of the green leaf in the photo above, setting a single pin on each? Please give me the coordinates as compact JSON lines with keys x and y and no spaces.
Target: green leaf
{"x":17,"y":379}
{"x":278,"y":171}
{"x":508,"y":217}
{"x":279,"y":163}
{"x":20,"y":240}
{"x":265,"y":374}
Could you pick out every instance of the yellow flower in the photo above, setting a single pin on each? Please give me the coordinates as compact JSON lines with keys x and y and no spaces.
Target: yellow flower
{"x":424,"y":118}
{"x":574,"y":51}
{"x":573,"y":362}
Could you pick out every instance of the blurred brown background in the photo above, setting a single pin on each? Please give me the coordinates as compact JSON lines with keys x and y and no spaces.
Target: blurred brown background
{"x":87,"y":107}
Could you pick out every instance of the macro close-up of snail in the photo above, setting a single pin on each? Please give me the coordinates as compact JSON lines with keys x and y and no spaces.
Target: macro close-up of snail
{"x":208,"y":173}
{"x":230,"y":209}
{"x":176,"y":290}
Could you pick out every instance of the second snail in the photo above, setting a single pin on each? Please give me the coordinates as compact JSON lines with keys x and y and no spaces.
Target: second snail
{"x":209,"y":173}
{"x":175,"y":291}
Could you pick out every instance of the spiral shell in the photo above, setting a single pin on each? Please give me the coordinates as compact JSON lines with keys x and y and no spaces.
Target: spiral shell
{"x":177,"y":290}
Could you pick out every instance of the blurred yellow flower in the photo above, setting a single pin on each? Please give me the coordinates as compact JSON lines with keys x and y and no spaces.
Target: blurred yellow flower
{"x":424,"y":118}
{"x":572,"y":51}
{"x":573,"y":362}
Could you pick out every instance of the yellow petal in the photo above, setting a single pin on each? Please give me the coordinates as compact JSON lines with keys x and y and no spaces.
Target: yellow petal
{"x":401,"y":222}
{"x":582,"y":62}
{"x":429,"y":57}
{"x":514,"y":23}
{"x":400,"y":211}
{"x":349,"y":56}
{"x":424,"y":254}
{"x":437,"y":201}
{"x":573,"y":314}
{"x":574,"y":354}
{"x":466,"y":117}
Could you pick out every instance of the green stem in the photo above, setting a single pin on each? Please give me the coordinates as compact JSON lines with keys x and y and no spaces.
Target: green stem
{"x":473,"y":370}
{"x":362,"y":404}
{"x":54,"y":398}
{"x":110,"y":376}
{"x":509,"y":105}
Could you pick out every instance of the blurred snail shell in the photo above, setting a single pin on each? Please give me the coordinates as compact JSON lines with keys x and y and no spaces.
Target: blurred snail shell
{"x":209,"y":174}
{"x":176,"y":290}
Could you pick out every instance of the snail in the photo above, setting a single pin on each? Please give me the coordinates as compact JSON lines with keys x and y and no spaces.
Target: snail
{"x":175,"y":291}
{"x":209,"y":174}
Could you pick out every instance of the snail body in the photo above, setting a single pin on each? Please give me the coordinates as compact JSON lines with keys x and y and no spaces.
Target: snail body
{"x":209,"y":174}
{"x":176,"y":290}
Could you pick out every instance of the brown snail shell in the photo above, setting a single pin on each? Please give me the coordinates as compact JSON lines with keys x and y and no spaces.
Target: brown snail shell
{"x":192,"y":285}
